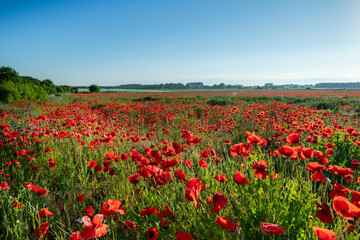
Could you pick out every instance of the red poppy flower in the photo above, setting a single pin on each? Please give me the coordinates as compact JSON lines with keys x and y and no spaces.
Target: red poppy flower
{"x":41,"y":191}
{"x":287,"y":151}
{"x":269,"y":228}
{"x":45,"y":213}
{"x":219,"y":202}
{"x":148,"y":211}
{"x":329,"y":151}
{"x":318,"y":176}
{"x":183,"y":236}
{"x":240,"y":149}
{"x":221,"y":178}
{"x":89,"y":210}
{"x":75,"y":236}
{"x":180,"y":175}
{"x":93,"y":228}
{"x":134,"y":178}
{"x":315,"y":166}
{"x":325,"y":213}
{"x":192,"y":191}
{"x":226,"y":223}
{"x":324,"y":234}
{"x":306,"y":153}
{"x":293,"y":138}
{"x":80,"y":198}
{"x":152,"y":233}
{"x":345,"y":208}
{"x":355,"y":163}
{"x":43,"y":230}
{"x":339,"y":190}
{"x":240,"y":178}
{"x":111,"y":207}
{"x":203,"y":163}
{"x":92,"y":163}
{"x":260,"y":167}
{"x":131,"y":225}
{"x":166,"y":213}
{"x":4,"y":186}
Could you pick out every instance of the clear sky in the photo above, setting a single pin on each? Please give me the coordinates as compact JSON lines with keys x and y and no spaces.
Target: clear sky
{"x":249,"y":42}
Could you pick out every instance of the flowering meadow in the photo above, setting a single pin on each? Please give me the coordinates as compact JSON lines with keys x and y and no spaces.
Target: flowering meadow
{"x":178,"y":168}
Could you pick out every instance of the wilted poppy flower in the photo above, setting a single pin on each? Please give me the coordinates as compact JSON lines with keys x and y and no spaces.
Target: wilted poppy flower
{"x":269,"y":228}
{"x":45,"y":213}
{"x":111,"y":207}
{"x":345,"y":208}
{"x":94,"y":228}
{"x":240,"y":178}
{"x":43,"y":230}
{"x":152,"y":233}
{"x":324,"y":234}
{"x":183,"y":236}
{"x":325,"y":213}
{"x":226,"y":223}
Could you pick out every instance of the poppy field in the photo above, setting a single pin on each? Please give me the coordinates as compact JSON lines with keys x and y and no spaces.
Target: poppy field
{"x":179,"y":168}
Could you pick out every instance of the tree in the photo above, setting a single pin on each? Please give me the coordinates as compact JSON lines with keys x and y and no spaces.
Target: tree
{"x":94,"y":88}
{"x":48,"y":85}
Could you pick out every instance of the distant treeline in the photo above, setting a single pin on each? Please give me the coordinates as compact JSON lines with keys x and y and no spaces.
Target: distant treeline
{"x":349,"y":85}
{"x":192,"y":85}
{"x":14,"y":87}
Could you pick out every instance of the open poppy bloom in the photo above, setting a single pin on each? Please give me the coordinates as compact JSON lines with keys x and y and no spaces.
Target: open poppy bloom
{"x":152,"y":233}
{"x":324,"y":214}
{"x":269,"y":228}
{"x":339,"y":190}
{"x":221,"y":178}
{"x":345,"y":208}
{"x":240,"y":178}
{"x":293,"y":138}
{"x":226,"y":223}
{"x":148,"y":211}
{"x":94,"y":228}
{"x":240,"y":149}
{"x":192,"y":191}
{"x":324,"y":234}
{"x":219,"y":202}
{"x":260,"y":167}
{"x":111,"y":207}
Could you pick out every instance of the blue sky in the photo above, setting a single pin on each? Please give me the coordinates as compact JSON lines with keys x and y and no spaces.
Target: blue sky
{"x":83,"y":42}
